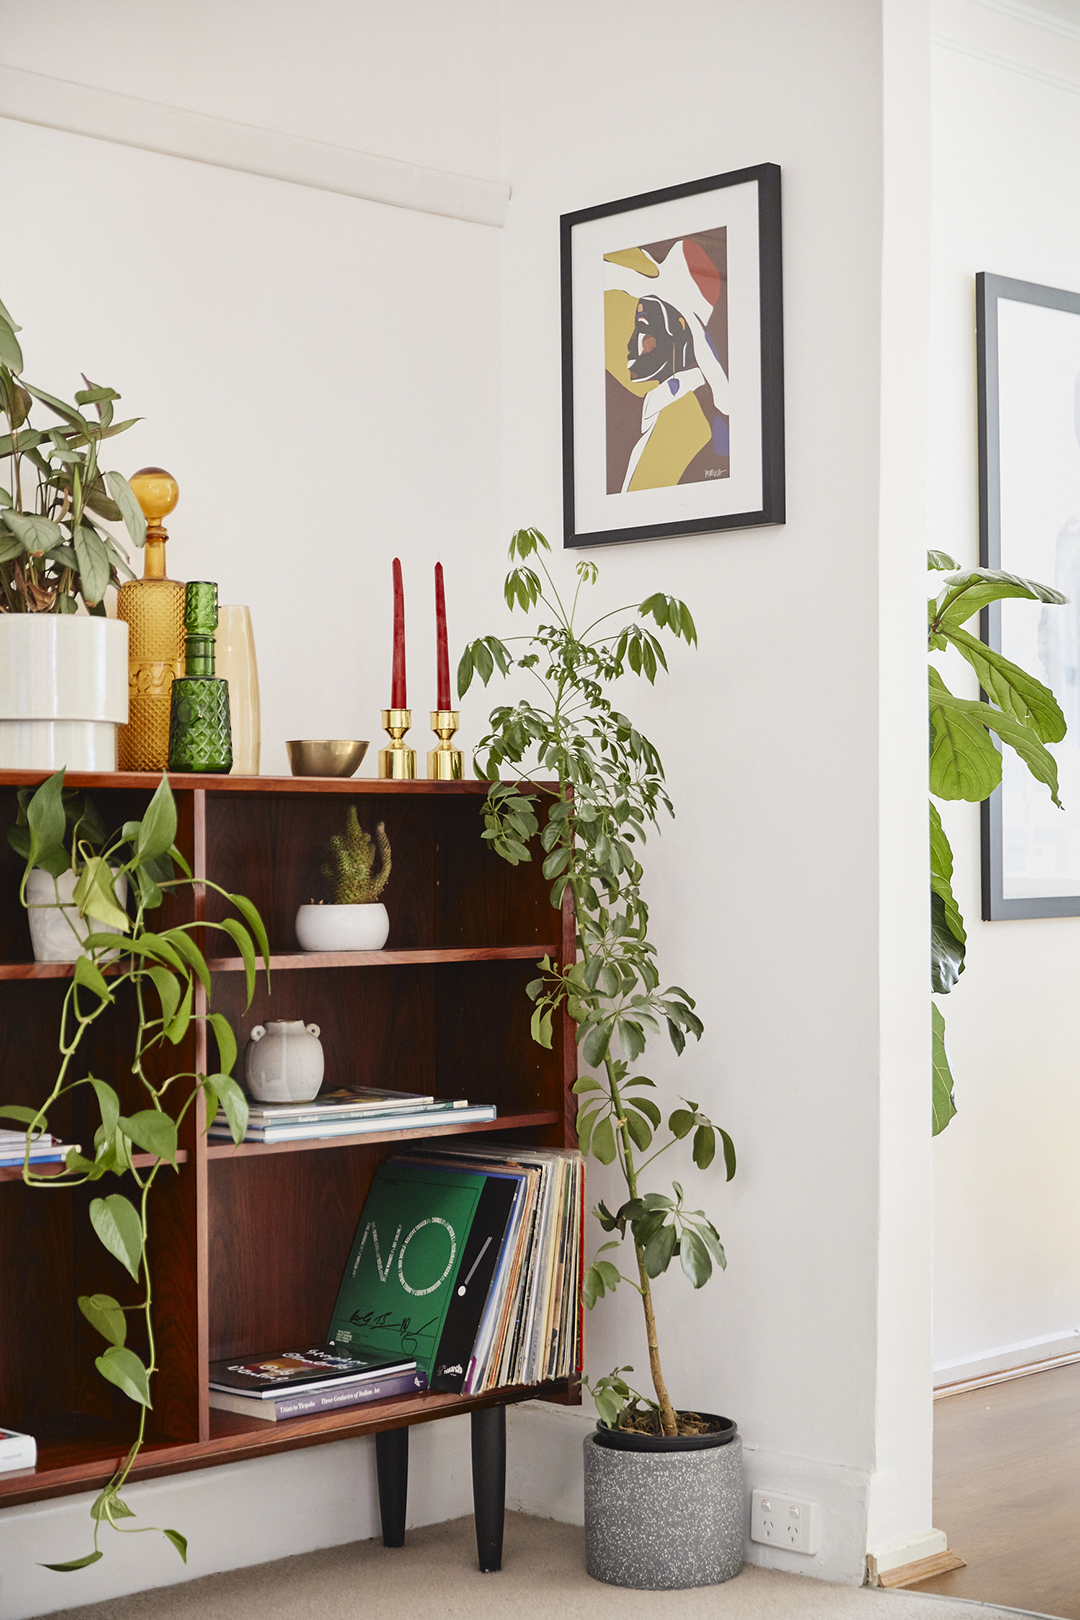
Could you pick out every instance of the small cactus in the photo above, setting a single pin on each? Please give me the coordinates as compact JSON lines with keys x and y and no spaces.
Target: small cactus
{"x":352,"y":857}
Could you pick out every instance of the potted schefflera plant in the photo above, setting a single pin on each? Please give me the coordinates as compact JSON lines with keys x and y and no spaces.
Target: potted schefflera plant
{"x":356,"y":919}
{"x":663,"y":1486}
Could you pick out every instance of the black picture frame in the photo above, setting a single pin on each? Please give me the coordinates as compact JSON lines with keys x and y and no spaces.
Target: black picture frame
{"x":989,"y":291}
{"x":751,"y":302}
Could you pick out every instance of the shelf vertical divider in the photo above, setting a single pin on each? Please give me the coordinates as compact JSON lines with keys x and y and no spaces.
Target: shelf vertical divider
{"x":198,"y":1161}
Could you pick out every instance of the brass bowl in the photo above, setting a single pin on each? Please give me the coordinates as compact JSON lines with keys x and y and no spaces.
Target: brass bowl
{"x":334,"y":756}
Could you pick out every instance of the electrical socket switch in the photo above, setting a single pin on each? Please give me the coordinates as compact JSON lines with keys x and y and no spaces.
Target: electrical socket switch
{"x":784,"y":1521}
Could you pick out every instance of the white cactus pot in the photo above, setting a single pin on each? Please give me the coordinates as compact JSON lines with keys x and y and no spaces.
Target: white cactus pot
{"x":343,"y":928}
{"x":284,"y":1061}
{"x":57,"y":932}
{"x":63,"y":691}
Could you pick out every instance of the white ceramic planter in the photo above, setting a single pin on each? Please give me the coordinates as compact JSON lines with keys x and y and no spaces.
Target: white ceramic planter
{"x":63,"y":691}
{"x":343,"y":928}
{"x":284,"y":1061}
{"x":56,"y":934}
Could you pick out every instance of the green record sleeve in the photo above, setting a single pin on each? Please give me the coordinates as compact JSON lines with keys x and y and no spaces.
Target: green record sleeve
{"x":404,"y":1262}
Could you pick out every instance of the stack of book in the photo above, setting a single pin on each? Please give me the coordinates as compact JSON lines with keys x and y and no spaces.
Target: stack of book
{"x":298,"y":1383}
{"x":45,"y":1149}
{"x":352,"y":1111}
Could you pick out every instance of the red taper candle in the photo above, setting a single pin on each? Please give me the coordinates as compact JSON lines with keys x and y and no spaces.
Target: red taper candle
{"x":443,"y":656}
{"x":398,"y":696}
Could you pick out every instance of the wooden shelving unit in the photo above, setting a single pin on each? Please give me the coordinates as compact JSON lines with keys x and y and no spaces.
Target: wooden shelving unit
{"x":249,"y":1243}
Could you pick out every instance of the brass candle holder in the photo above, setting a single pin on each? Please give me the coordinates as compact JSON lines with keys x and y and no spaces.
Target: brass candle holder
{"x":397,"y":763}
{"x":445,"y":763}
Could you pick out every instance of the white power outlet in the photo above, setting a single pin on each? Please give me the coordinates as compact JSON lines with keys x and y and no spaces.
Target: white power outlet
{"x":784,"y":1521}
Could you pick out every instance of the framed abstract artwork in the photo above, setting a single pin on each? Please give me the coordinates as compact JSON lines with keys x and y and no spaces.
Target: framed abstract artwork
{"x":1028,"y":347}
{"x":673,"y":361}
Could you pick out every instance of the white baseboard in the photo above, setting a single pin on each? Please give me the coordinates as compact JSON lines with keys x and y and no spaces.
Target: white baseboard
{"x":1007,"y":1356}
{"x":910,"y":1551}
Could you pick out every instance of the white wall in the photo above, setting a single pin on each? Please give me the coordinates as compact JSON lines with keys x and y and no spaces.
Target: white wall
{"x":333,"y":381}
{"x":766,"y":889}
{"x":1006,"y":1172}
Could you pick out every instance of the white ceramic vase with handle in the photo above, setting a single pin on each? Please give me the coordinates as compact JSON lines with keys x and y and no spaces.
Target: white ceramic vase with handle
{"x":284,"y":1061}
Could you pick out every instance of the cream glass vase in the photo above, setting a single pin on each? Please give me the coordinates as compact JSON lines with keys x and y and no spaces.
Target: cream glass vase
{"x":235,"y":660}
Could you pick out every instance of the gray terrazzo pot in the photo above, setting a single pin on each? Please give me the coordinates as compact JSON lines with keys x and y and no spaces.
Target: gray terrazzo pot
{"x":662,"y":1514}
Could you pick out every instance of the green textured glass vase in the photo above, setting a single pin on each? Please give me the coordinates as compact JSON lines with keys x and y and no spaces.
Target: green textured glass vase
{"x":200,"y":731}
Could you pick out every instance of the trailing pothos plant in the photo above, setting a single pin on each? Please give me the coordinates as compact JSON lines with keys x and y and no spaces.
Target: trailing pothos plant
{"x":161,"y":971}
{"x":964,"y":763}
{"x":608,"y":790}
{"x":54,"y":543}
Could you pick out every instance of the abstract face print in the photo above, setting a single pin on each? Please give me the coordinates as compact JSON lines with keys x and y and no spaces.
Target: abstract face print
{"x":666,"y":359}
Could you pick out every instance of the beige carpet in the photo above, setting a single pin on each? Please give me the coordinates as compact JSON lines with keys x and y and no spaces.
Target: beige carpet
{"x":434,"y":1577}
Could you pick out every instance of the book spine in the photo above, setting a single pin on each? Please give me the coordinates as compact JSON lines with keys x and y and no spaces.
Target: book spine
{"x":410,"y":1383}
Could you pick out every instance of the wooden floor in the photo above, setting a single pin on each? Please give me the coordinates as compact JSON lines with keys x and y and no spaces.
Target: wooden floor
{"x":1007,"y":1492}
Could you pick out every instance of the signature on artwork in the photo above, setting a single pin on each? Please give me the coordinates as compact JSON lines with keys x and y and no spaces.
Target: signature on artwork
{"x":409,"y":1334}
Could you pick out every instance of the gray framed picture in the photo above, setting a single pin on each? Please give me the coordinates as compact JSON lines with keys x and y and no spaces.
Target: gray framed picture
{"x":1028,"y":345}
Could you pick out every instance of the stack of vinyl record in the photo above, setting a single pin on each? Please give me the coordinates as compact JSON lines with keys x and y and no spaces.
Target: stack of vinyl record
{"x":470,"y":1259}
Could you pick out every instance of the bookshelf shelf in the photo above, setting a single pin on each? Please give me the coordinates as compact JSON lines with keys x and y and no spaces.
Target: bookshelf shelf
{"x":443,"y":1010}
{"x":511,"y":1122}
{"x":141,"y":1161}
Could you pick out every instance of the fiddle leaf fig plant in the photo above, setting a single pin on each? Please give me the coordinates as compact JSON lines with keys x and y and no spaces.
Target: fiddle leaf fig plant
{"x":54,"y":543}
{"x":609,"y":789}
{"x":965,"y":764}
{"x":161,"y":970}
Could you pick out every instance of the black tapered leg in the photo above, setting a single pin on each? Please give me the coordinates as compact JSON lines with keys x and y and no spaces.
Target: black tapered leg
{"x":392,"y":1461}
{"x":489,"y":1483}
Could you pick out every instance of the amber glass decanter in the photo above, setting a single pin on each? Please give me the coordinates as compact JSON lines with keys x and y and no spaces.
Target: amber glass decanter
{"x":200,"y":736}
{"x":153,"y":608}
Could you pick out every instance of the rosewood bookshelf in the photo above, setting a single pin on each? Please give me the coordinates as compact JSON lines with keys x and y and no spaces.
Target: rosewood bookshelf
{"x":249,"y":1243}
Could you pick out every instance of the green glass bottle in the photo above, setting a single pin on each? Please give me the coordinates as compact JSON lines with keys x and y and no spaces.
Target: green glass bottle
{"x":200,"y":731}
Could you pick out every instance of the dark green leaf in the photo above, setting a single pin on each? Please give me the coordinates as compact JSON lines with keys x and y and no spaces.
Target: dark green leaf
{"x":946,"y":951}
{"x":104,"y":1314}
{"x":251,"y":916}
{"x":178,"y":1541}
{"x":94,"y":567}
{"x":243,"y":942}
{"x":74,"y":1563}
{"x":695,"y":1260}
{"x":659,"y":1250}
{"x":109,"y":1104}
{"x":1011,"y":688}
{"x":95,"y":895}
{"x":157,"y":830}
{"x":124,"y":1369}
{"x":681,"y":1122}
{"x":603,"y":1142}
{"x":168,"y":991}
{"x":640,"y":1131}
{"x":153,"y":1131}
{"x":729,"y":1154}
{"x":704,"y":1146}
{"x":219,"y":1088}
{"x":967,"y":593}
{"x":177,"y":1027}
{"x":942,"y":1107}
{"x":91,"y":978}
{"x":226,"y":1041}
{"x":117,"y":1224}
{"x":45,"y":817}
{"x":183,"y":944}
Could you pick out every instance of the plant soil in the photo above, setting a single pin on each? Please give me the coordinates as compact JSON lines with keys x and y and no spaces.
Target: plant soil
{"x":688,"y":1423}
